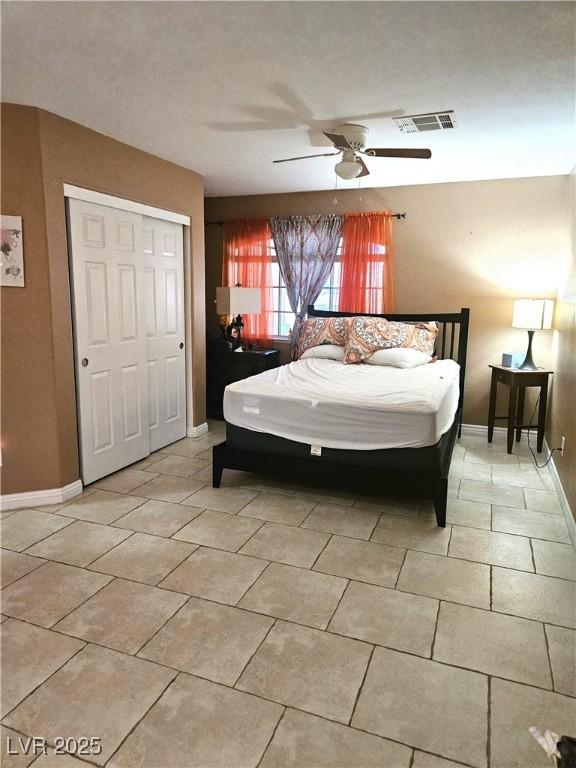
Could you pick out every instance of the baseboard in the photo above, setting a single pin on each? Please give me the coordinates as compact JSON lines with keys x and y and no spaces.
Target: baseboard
{"x":564,"y":504}
{"x":39,"y":498}
{"x":201,"y":429}
{"x":482,"y":431}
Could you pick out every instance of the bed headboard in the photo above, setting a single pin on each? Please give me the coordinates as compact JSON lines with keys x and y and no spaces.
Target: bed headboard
{"x":451,"y":342}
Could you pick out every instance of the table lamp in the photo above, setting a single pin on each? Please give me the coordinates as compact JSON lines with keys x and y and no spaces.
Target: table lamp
{"x":532,"y":315}
{"x":236,"y":301}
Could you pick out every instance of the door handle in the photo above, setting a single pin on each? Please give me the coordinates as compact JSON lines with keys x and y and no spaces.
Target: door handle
{"x":84,"y":362}
{"x":181,"y":345}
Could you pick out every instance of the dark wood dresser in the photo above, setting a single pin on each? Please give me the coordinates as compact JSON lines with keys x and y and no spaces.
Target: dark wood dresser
{"x":225,"y":366}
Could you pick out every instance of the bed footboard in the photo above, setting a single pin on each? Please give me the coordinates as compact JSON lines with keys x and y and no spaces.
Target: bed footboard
{"x":396,"y":476}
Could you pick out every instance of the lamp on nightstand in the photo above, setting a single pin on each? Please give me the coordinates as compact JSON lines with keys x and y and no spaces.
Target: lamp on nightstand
{"x":532,"y":315}
{"x":236,"y":301}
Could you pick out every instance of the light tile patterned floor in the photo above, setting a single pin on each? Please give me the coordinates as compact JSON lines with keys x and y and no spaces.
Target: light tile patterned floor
{"x":274,"y":624}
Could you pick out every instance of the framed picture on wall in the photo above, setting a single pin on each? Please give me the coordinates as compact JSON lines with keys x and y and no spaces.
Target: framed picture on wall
{"x":11,"y":252}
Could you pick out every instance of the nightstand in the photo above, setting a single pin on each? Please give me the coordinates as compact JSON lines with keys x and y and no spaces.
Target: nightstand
{"x":225,"y":366}
{"x":517,"y":380}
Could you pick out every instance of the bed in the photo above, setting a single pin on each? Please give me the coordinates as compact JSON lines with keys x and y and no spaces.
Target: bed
{"x":389,"y":431}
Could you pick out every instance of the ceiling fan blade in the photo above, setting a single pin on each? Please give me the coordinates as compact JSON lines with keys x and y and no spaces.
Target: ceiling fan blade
{"x":339,"y":141}
{"x":305,"y":157}
{"x":365,"y":171}
{"x":423,"y":154}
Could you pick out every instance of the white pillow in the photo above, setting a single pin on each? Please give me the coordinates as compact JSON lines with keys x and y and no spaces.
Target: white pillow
{"x":399,"y":357}
{"x":325,"y":352}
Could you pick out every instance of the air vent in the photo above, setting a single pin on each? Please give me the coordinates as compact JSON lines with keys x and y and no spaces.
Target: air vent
{"x":435,"y":121}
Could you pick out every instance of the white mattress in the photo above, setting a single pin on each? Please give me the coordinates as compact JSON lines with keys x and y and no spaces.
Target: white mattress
{"x":359,"y":407}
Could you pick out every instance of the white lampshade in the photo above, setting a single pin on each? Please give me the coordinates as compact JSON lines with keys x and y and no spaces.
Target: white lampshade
{"x":238,"y":301}
{"x":533,"y":314}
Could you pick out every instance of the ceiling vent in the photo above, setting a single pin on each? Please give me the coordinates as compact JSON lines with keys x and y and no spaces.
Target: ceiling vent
{"x":435,"y":121}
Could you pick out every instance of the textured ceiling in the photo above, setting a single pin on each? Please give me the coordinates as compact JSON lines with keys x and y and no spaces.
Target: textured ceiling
{"x":225,"y":88}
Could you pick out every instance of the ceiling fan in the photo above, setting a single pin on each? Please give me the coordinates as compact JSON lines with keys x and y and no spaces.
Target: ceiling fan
{"x":350,"y":141}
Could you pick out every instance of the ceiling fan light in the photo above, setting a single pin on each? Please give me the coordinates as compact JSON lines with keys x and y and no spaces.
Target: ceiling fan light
{"x":348,"y":169}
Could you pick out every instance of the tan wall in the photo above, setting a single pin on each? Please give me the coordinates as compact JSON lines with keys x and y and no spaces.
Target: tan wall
{"x":562,"y":416}
{"x":40,"y":152}
{"x":30,"y":447}
{"x":472,"y":244}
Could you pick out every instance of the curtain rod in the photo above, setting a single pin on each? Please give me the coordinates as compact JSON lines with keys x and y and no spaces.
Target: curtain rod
{"x":399,"y":216}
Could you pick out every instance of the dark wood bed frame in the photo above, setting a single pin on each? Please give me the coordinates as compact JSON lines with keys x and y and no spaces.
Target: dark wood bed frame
{"x":421,"y":472}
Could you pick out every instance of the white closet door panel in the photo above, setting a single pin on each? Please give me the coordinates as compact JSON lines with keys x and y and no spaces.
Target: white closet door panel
{"x":93,"y":231}
{"x":97,"y":303}
{"x":150,"y":301}
{"x":163,"y":249}
{"x":110,"y":338}
{"x":124,"y":232}
{"x":102,"y":418}
{"x":127,"y":303}
{"x":173,"y":371}
{"x":153,"y":398}
{"x":131,"y":401}
{"x":171,"y":308}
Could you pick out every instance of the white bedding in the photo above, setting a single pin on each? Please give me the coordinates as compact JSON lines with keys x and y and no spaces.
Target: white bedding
{"x":359,"y":407}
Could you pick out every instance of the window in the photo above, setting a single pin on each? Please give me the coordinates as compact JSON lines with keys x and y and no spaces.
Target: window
{"x":283,"y":317}
{"x":362,"y":283}
{"x":375,"y":272}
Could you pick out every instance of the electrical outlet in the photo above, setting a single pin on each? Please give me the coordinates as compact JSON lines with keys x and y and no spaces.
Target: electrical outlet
{"x":562,"y":445}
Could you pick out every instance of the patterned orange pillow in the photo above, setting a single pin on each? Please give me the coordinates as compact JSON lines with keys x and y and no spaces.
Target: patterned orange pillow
{"x":322,"y":330}
{"x":424,"y":337}
{"x":369,"y":334}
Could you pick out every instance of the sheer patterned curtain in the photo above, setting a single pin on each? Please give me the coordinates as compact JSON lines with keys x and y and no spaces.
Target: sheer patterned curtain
{"x":367,"y":283}
{"x":246,"y":260}
{"x":306,"y":248}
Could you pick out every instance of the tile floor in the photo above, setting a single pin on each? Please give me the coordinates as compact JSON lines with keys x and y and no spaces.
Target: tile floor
{"x":269,"y":624}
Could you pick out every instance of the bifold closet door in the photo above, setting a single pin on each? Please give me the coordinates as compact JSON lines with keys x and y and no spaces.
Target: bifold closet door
{"x":162,"y":243}
{"x":110,"y":339}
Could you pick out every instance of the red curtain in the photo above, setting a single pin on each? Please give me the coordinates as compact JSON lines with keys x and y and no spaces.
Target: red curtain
{"x":246,"y":260}
{"x":367,"y":283}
